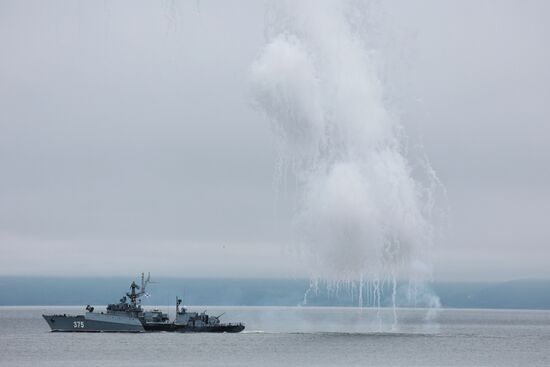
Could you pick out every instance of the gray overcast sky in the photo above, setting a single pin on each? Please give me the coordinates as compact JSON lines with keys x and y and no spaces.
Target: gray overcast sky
{"x":128,"y":140}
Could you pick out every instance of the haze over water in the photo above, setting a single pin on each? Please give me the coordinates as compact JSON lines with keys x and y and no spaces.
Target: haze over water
{"x":128,"y":124}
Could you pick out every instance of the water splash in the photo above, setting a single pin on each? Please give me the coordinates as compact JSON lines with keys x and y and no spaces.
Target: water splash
{"x":362,"y":219}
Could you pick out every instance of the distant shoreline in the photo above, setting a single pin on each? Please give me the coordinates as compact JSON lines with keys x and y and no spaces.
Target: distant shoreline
{"x":55,"y":291}
{"x":242,"y":307}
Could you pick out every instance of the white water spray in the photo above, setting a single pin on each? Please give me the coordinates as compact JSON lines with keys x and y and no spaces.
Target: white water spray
{"x":362,"y":219}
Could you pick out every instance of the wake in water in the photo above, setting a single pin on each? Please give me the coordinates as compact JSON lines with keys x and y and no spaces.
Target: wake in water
{"x":363,"y":221}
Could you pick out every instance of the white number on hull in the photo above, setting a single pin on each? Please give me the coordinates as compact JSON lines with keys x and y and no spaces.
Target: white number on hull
{"x":78,"y":324}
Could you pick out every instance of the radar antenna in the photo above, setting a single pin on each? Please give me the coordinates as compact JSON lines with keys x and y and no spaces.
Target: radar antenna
{"x":144,"y":283}
{"x":135,"y":296}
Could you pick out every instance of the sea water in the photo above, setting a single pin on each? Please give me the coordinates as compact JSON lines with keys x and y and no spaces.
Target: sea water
{"x":291,"y":336}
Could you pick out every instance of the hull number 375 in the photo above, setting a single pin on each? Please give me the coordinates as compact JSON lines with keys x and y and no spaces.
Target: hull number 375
{"x":78,"y":324}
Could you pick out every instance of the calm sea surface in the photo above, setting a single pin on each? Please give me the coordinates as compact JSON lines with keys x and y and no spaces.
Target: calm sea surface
{"x":293,"y":336}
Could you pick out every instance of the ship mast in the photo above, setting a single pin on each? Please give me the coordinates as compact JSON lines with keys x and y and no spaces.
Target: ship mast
{"x":178,"y":302}
{"x":134,"y":296}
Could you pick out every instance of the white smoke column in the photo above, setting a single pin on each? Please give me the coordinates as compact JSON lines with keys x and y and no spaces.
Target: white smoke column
{"x":362,"y":217}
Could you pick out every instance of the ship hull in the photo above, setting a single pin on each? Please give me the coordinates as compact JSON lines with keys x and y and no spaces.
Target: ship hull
{"x":224,"y":328}
{"x":81,"y":324}
{"x":171,"y":327}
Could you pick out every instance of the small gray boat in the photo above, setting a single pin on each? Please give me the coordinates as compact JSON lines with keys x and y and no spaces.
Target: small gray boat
{"x":128,"y":316}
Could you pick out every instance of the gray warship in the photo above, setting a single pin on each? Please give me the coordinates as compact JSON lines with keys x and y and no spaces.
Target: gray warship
{"x":128,"y":316}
